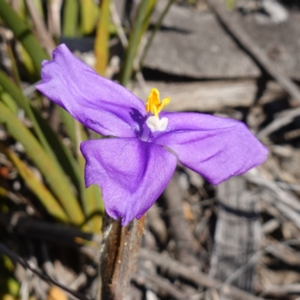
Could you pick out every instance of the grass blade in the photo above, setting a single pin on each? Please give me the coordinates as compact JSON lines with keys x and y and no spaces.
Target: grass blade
{"x":70,"y":18}
{"x":156,"y":28}
{"x":139,"y":28}
{"x":20,"y":28}
{"x":91,"y":196}
{"x":23,"y":33}
{"x":56,"y":180}
{"x":102,"y":38}
{"x":64,"y":158}
{"x":15,"y":72}
{"x":69,"y":123}
{"x":24,"y":103}
{"x":94,"y":207}
{"x":88,"y":16}
{"x":39,"y":26}
{"x":6,"y":98}
{"x":37,"y":187}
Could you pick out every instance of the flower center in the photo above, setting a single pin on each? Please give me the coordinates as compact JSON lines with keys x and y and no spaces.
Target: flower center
{"x":154,"y":106}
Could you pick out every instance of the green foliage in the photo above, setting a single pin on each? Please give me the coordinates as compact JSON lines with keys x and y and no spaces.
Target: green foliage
{"x":61,"y":190}
{"x":88,"y":16}
{"x":230,"y":4}
{"x":139,"y":29}
{"x":71,"y":16}
{"x":8,"y":284}
{"x":102,"y":39}
{"x":56,"y":179}
{"x":37,"y":187}
{"x":23,"y":33}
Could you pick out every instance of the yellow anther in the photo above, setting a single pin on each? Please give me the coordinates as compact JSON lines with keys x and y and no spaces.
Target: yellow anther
{"x":153,"y":104}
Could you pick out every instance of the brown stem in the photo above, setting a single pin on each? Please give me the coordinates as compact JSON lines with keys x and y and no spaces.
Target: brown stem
{"x":118,"y":257}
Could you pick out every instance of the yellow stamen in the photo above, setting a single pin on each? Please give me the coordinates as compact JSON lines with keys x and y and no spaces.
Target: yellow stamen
{"x":153,"y":104}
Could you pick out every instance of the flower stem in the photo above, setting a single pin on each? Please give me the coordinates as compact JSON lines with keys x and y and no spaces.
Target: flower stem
{"x":118,"y":256}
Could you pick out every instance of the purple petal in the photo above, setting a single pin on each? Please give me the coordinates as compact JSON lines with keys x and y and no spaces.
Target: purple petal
{"x":215,"y":147}
{"x":98,"y":103}
{"x":132,"y":174}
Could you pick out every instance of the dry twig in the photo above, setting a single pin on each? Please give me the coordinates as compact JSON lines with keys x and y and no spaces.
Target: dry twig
{"x":196,"y":277}
{"x":249,"y":46}
{"x":185,"y":249}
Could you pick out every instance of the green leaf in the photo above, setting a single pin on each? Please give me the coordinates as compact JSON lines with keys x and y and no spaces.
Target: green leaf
{"x":91,"y":196}
{"x":4,"y":193}
{"x":70,"y":18}
{"x":63,"y":158}
{"x":7,"y":99}
{"x":56,"y":180}
{"x":38,"y":4}
{"x":15,"y":72}
{"x":9,"y":287}
{"x":230,"y":4}
{"x":88,"y":16}
{"x":94,"y":208}
{"x":102,"y":38}
{"x":24,"y":103}
{"x":69,"y":122}
{"x":27,"y":62}
{"x":156,"y":28}
{"x":140,"y":26}
{"x":37,"y":187}
{"x":23,"y":33}
{"x":37,"y":54}
{"x":65,"y":162}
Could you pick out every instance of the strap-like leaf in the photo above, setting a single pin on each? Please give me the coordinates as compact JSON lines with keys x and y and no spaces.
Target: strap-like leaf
{"x":62,"y":158}
{"x":37,"y":187}
{"x":102,"y":37}
{"x":70,"y":19}
{"x":140,"y":26}
{"x":56,"y":180}
{"x":23,"y":33}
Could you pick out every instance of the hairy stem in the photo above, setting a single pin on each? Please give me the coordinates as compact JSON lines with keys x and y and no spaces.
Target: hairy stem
{"x":119,"y":253}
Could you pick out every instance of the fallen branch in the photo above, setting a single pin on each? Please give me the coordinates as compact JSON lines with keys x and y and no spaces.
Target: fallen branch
{"x":280,"y":291}
{"x":252,"y":49}
{"x":185,"y":250}
{"x":279,"y":122}
{"x":159,"y":285}
{"x":196,"y":277}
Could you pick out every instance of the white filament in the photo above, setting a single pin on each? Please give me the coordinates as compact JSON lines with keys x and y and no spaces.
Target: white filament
{"x":156,"y":124}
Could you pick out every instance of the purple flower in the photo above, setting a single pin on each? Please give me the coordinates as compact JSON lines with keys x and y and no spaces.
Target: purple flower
{"x":135,"y":165}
